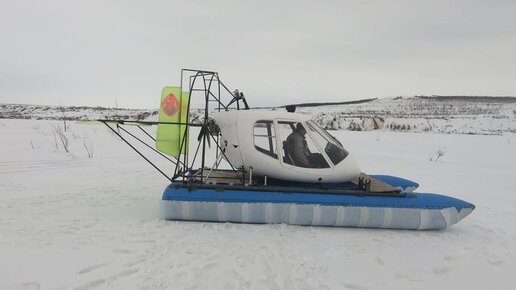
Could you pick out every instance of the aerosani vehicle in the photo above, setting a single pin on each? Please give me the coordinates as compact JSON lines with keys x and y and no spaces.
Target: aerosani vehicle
{"x":271,"y":166}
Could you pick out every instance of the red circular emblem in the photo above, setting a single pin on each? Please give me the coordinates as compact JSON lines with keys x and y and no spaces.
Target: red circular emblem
{"x":170,"y":105}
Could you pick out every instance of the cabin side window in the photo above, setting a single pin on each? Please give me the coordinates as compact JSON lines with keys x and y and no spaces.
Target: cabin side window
{"x":265,"y":138}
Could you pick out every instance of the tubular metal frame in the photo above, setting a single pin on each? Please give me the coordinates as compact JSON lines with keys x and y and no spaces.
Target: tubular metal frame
{"x":212,"y":89}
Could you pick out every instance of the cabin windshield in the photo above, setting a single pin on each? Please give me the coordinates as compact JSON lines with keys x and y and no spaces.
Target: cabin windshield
{"x":331,"y":146}
{"x":299,"y":148}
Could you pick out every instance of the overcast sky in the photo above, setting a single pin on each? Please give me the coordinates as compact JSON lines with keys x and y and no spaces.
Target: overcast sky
{"x":100,"y":53}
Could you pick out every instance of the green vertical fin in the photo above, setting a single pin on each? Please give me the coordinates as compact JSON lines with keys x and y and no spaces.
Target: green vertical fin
{"x":173,"y":108}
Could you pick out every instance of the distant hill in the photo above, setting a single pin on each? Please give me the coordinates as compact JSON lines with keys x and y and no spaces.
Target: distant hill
{"x":485,"y":99}
{"x":71,"y":113}
{"x":439,"y":114}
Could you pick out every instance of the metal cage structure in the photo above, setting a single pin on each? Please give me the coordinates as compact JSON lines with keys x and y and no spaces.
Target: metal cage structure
{"x":207,"y":89}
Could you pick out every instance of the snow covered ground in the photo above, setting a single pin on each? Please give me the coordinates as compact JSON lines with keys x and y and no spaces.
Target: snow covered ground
{"x":72,"y":222}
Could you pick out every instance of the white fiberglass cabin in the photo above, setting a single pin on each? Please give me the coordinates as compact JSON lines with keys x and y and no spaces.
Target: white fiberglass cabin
{"x":257,"y":140}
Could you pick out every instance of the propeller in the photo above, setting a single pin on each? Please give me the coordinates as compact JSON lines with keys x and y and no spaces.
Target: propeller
{"x":211,"y":128}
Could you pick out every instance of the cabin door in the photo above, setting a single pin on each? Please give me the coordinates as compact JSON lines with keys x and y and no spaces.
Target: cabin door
{"x":299,"y":150}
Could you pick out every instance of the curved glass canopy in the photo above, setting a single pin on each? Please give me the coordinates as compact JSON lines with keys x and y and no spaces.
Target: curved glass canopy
{"x":303,"y":144}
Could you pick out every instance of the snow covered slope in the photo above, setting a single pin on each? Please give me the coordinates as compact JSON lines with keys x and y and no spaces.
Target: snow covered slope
{"x":455,"y":115}
{"x":40,"y":112}
{"x":462,"y":115}
{"x":68,"y":221}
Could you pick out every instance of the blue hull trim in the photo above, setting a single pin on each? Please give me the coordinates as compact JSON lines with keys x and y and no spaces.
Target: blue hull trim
{"x":410,"y":200}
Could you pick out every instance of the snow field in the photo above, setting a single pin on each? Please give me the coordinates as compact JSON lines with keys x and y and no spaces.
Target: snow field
{"x":72,"y":222}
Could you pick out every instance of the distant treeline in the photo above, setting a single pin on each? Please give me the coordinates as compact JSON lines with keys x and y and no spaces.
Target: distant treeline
{"x":501,"y":99}
{"x":71,"y":113}
{"x":497,"y":99}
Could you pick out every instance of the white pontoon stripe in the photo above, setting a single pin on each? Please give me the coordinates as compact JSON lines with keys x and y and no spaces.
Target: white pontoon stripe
{"x":245,"y":212}
{"x":185,"y":210}
{"x":446,"y":215}
{"x":340,"y":216}
{"x":387,"y":218}
{"x":424,"y":219}
{"x":292,"y":217}
{"x":268,"y":213}
{"x":221,"y":211}
{"x":364,"y":216}
{"x":316,"y":219}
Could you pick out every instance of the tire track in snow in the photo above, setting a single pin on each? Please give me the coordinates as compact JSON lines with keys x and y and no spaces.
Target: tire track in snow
{"x":92,"y":268}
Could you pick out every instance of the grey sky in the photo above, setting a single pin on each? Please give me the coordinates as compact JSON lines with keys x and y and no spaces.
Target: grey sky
{"x":277,"y":52}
